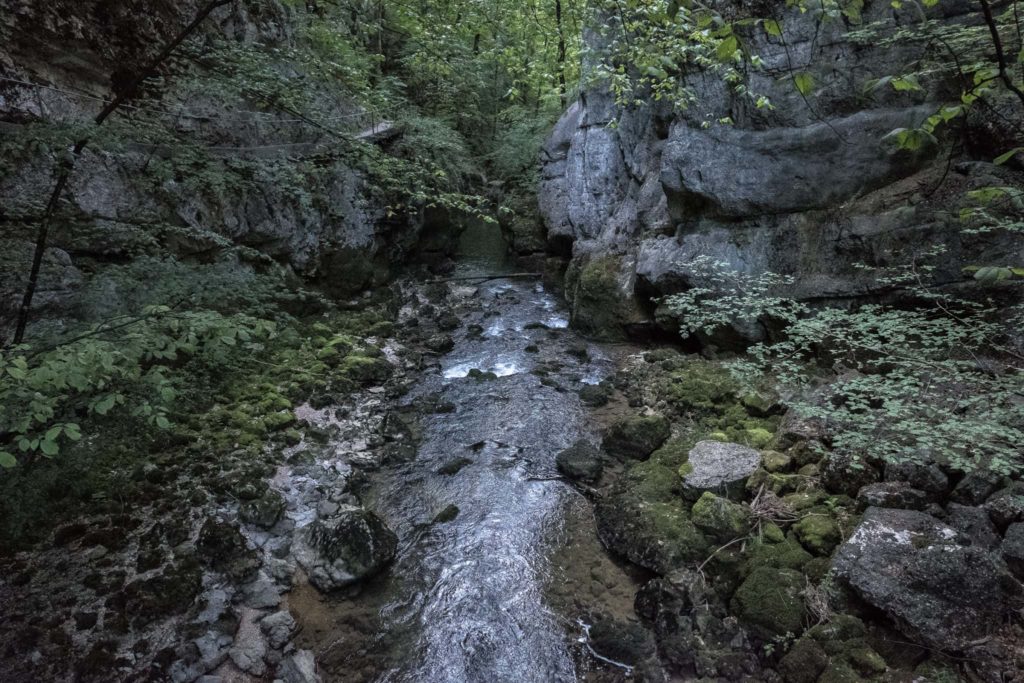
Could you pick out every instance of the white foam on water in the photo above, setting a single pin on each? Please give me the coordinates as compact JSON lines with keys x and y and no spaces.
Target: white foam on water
{"x":458,"y":371}
{"x":506,"y":369}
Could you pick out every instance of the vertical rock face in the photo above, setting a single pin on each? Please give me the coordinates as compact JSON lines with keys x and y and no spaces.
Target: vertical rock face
{"x":60,"y":61}
{"x":809,"y":188}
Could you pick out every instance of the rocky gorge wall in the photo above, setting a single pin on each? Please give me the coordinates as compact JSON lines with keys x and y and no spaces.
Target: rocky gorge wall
{"x":809,"y":188}
{"x":299,"y":201}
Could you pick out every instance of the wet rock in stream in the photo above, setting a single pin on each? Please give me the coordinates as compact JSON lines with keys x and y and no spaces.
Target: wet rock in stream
{"x":582,"y":461}
{"x":349,"y":546}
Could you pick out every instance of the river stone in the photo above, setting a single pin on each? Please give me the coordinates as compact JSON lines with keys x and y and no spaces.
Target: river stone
{"x":263,"y":511}
{"x":348,"y":547}
{"x":622,"y":642}
{"x":299,"y":668}
{"x":581,"y":461}
{"x":637,"y":437}
{"x":249,"y":647}
{"x":939,"y":592}
{"x":262,"y":593}
{"x":594,"y":395}
{"x":278,"y":628}
{"x":718,"y":467}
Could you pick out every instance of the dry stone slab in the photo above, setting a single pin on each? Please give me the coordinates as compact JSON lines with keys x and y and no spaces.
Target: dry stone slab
{"x":915,"y":569}
{"x":719,"y":467}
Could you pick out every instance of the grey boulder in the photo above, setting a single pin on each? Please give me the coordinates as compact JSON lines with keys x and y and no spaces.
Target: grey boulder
{"x":345,"y":548}
{"x":719,"y":467}
{"x":938,"y":591}
{"x":581,"y":461}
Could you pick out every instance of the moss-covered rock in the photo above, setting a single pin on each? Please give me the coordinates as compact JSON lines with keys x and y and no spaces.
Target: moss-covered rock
{"x":787,"y":554}
{"x":839,"y":672}
{"x":776,"y":462}
{"x":757,"y":437}
{"x":866,"y":661}
{"x":721,"y":519}
{"x":818,"y":532}
{"x":365,"y":370}
{"x":601,"y":298}
{"x":697,"y":385}
{"x":770,"y":603}
{"x":804,"y":662}
{"x":636,"y":438}
{"x":644,"y":520}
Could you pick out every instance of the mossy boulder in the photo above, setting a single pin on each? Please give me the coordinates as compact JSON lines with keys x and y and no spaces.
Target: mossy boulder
{"x":721,"y":519}
{"x":804,"y":662}
{"x":787,"y":554}
{"x":345,"y":548}
{"x":839,"y":672}
{"x":601,"y":297}
{"x":365,"y":370}
{"x":776,"y":462}
{"x":769,"y":601}
{"x":645,"y":521}
{"x":818,"y":532}
{"x":697,"y":385}
{"x":581,"y":461}
{"x":866,"y":661}
{"x":276,"y":422}
{"x":636,"y":438}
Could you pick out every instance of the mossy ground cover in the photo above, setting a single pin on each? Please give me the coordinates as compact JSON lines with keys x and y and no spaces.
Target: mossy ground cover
{"x":232,"y":416}
{"x":767,"y":563}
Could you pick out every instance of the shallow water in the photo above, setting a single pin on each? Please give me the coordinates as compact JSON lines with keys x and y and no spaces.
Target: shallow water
{"x":467,"y":598}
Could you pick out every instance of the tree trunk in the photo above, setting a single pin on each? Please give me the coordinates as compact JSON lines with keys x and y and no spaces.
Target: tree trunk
{"x":561,"y":54}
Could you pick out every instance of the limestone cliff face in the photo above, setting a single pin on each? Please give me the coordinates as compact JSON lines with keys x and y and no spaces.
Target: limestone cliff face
{"x":78,"y":53}
{"x":809,"y":189}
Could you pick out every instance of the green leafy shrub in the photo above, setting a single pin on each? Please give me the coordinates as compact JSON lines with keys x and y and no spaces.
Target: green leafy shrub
{"x":938,"y":383}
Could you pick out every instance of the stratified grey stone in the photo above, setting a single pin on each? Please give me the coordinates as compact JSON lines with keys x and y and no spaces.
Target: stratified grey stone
{"x":892,"y":494}
{"x":262,"y":593}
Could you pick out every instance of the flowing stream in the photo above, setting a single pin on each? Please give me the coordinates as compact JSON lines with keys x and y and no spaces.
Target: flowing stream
{"x":480,"y":510}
